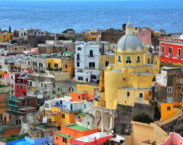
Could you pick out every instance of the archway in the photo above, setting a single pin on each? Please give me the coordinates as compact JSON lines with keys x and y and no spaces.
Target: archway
{"x":98,"y":118}
{"x":106,"y":121}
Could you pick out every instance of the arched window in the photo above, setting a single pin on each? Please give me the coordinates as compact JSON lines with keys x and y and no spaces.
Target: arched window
{"x":128,"y":60}
{"x":119,"y":59}
{"x":79,"y":48}
{"x":71,"y":89}
{"x":138,"y":59}
{"x":60,"y":89}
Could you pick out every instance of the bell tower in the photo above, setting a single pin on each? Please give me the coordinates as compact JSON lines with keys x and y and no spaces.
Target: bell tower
{"x":129,"y":28}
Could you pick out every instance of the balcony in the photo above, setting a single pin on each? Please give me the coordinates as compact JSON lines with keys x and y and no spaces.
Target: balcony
{"x":89,"y":55}
{"x":178,"y":56}
{"x":170,"y":54}
{"x":162,"y":53}
{"x":9,"y":61}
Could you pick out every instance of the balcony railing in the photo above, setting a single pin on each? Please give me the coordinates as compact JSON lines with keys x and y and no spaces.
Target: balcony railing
{"x":89,"y":55}
{"x":162,"y":53}
{"x":179,"y":56}
{"x":170,"y":54}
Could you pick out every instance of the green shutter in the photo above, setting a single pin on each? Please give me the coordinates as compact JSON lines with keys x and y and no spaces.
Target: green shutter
{"x":30,"y":83}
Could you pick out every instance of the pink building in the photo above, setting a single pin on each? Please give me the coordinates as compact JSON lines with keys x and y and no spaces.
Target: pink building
{"x":145,"y":35}
{"x":174,"y":139}
{"x":100,"y":138}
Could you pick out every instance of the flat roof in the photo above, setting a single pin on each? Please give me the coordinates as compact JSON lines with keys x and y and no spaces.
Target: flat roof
{"x":79,"y":92}
{"x":129,"y":88}
{"x":4,"y":91}
{"x":44,"y":126}
{"x":77,"y":127}
{"x":65,"y":136}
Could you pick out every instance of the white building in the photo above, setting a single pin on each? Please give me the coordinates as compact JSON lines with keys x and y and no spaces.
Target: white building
{"x":87,"y":62}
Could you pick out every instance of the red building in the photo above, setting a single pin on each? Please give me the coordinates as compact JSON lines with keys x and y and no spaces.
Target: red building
{"x":20,"y":85}
{"x":171,"y":50}
{"x":79,"y":96}
{"x":99,"y":138}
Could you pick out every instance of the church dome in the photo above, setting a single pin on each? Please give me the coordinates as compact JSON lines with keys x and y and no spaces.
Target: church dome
{"x":131,"y":41}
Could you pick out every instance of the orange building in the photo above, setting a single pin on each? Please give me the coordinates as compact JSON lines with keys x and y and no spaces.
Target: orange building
{"x":79,"y":96}
{"x":70,"y":132}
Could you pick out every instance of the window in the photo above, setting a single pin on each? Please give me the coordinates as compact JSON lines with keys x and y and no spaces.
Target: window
{"x":12,"y":77}
{"x":71,"y":89}
{"x":24,"y":48}
{"x":168,"y":108}
{"x":48,"y":115}
{"x":162,"y":61}
{"x":78,"y":64}
{"x":61,"y":102}
{"x":20,"y":86}
{"x":84,"y":106}
{"x":93,"y":77}
{"x":78,"y":97}
{"x":35,"y":64}
{"x":163,"y":50}
{"x":65,"y":66}
{"x":71,"y":107}
{"x":28,"y":62}
{"x":30,"y":83}
{"x":106,"y":63}
{"x":92,"y":65}
{"x":40,"y":65}
{"x":170,"y":51}
{"x":128,"y":94}
{"x":41,"y":84}
{"x":179,"y":53}
{"x":46,"y":105}
{"x":17,"y":86}
{"x":64,"y":140}
{"x":119,"y":59}
{"x":169,"y":90}
{"x":88,"y":123}
{"x":156,"y":89}
{"x":59,"y":89}
{"x":12,"y":86}
{"x":91,"y":53}
{"x":128,"y":60}
{"x":138,"y":59}
{"x":63,"y":116}
{"x":0,"y":67}
{"x":78,"y":58}
{"x":56,"y":65}
{"x":53,"y":92}
{"x":80,"y":78}
{"x":141,"y":95}
{"x":79,"y":48}
{"x":15,"y":48}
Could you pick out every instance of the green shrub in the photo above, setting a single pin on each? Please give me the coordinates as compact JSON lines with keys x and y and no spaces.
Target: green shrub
{"x":142,"y":117}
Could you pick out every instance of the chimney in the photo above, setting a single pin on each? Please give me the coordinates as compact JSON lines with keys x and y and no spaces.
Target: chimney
{"x":9,"y":29}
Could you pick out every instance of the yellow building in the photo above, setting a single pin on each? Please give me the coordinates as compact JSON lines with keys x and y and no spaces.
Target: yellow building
{"x":68,"y":66}
{"x":4,"y":36}
{"x":105,"y":60}
{"x":145,"y":134}
{"x":53,"y":63}
{"x":127,"y":81}
{"x":89,"y":88}
{"x":90,"y":35}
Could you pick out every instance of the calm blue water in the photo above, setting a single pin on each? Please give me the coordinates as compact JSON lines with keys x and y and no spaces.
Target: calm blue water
{"x":58,"y":16}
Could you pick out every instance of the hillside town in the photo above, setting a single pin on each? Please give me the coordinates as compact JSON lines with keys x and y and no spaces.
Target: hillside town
{"x":101,"y":87}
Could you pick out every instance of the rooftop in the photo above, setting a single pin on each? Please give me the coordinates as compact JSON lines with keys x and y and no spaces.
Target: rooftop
{"x":45,"y":126}
{"x":4,"y":91}
{"x":128,"y":88}
{"x":77,"y":127}
{"x":62,"y":135}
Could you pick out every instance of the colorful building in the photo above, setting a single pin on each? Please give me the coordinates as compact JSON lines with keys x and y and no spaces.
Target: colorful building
{"x":21,"y":85}
{"x":4,"y":36}
{"x":145,"y":134}
{"x":128,"y":80}
{"x":171,"y":50}
{"x":90,"y":35}
{"x":63,"y":111}
{"x":53,"y":63}
{"x":70,"y":132}
{"x":3,"y":101}
{"x":174,"y":139}
{"x":93,"y":139}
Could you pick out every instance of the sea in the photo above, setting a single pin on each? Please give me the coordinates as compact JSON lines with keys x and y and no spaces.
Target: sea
{"x":57,"y":16}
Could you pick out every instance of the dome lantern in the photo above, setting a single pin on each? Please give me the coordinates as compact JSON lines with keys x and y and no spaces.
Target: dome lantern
{"x":129,"y":27}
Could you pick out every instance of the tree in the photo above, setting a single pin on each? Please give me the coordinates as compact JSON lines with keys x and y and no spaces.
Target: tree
{"x":142,"y":117}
